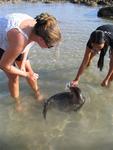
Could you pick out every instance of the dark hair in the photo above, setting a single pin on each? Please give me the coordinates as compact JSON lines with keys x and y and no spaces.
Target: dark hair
{"x":100,"y":63}
{"x":47,"y":27}
{"x":97,"y":37}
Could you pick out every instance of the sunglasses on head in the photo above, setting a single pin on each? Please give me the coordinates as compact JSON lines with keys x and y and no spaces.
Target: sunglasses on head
{"x":49,"y":45}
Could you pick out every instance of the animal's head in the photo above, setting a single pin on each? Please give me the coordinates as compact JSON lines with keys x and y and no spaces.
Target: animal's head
{"x":77,"y":95}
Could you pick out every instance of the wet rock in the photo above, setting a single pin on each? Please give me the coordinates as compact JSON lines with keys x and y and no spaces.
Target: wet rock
{"x":101,"y":2}
{"x":47,"y":1}
{"x":91,"y":3}
{"x":106,"y":12}
{"x":33,"y":1}
{"x":75,"y":1}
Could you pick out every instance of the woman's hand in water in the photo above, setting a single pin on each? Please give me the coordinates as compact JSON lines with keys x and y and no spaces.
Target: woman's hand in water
{"x":105,"y":83}
{"x":74,"y":83}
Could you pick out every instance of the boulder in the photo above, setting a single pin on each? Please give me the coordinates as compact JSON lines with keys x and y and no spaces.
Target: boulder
{"x":106,"y":12}
{"x":101,"y":2}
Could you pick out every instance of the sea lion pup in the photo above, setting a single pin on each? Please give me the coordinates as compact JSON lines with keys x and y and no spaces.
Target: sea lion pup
{"x":65,"y":101}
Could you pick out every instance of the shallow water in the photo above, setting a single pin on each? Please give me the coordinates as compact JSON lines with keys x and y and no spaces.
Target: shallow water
{"x":88,"y":129}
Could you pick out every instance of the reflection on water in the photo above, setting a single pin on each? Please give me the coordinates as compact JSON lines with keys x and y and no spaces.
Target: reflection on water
{"x":91,"y":127}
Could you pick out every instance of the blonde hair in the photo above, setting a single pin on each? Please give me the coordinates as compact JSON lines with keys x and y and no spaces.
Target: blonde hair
{"x":47,"y":27}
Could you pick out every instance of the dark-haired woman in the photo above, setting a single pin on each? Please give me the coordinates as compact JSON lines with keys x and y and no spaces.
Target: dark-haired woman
{"x":99,"y":42}
{"x":18,"y":32}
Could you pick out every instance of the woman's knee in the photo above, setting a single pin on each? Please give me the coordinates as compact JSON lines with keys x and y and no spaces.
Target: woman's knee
{"x":14,"y":78}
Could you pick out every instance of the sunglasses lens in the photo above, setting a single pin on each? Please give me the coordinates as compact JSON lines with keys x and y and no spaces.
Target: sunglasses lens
{"x":50,"y":46}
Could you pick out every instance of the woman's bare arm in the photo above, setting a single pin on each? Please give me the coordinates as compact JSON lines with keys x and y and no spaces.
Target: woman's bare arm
{"x":106,"y":81}
{"x":85,"y":62}
{"x":17,"y":43}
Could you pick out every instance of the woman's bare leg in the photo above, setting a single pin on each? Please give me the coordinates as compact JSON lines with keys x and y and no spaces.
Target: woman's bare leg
{"x":32,"y":82}
{"x":13,"y":84}
{"x":111,"y":62}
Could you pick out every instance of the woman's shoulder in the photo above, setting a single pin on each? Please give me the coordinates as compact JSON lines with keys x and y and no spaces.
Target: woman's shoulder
{"x":16,"y":37}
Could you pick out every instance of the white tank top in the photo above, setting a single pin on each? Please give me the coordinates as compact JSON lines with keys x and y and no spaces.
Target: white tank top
{"x":9,"y":22}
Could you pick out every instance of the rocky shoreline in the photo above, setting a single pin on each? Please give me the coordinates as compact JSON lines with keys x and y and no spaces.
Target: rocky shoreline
{"x":106,"y":10}
{"x":86,"y":2}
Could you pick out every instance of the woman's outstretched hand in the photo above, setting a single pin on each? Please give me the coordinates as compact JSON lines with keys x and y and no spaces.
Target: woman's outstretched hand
{"x":74,"y":83}
{"x":105,"y":83}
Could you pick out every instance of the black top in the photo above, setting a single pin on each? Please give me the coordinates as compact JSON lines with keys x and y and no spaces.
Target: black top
{"x":108,"y":30}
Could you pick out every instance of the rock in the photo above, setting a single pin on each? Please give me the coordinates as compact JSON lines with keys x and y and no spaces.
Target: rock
{"x":75,"y":1}
{"x":105,"y":12}
{"x":47,"y":1}
{"x":101,"y":3}
{"x":91,"y":3}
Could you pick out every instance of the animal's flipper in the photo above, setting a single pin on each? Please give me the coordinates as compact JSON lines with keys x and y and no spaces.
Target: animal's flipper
{"x":45,"y":109}
{"x":45,"y":106}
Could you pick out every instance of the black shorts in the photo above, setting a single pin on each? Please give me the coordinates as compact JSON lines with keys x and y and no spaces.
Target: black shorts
{"x":19,"y":58}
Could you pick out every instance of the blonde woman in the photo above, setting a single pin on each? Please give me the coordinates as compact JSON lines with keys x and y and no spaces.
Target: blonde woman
{"x":18,"y":32}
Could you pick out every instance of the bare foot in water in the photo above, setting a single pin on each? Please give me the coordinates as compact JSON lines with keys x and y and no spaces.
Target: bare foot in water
{"x":18,"y":105}
{"x":39,"y":96}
